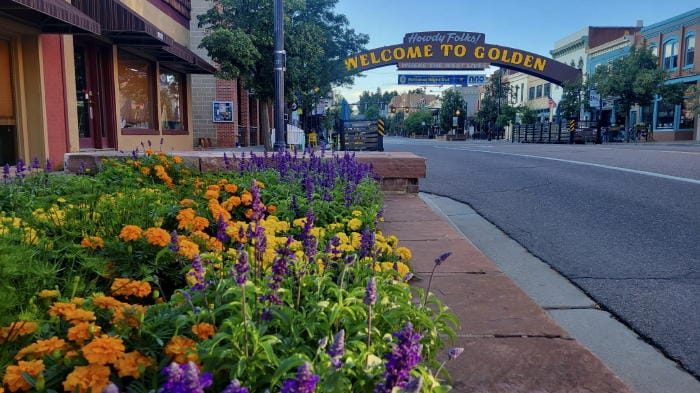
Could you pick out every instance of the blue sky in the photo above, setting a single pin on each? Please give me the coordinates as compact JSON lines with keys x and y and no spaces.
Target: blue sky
{"x":533,"y":26}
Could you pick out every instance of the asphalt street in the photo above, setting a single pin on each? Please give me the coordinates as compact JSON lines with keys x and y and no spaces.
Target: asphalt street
{"x":620,"y":221}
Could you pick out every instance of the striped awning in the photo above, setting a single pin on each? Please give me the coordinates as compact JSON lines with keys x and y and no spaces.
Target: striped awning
{"x":50,"y":16}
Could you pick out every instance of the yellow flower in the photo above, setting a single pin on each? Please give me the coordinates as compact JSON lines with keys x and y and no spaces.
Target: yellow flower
{"x":130,"y":232}
{"x":204,"y":330}
{"x":181,"y":349}
{"x":103,"y":350}
{"x":354,"y":224}
{"x":93,"y":378}
{"x":401,"y":268}
{"x":356,"y":213}
{"x":13,"y":374}
{"x":130,"y":364}
{"x":403,"y":253}
{"x":157,"y":236}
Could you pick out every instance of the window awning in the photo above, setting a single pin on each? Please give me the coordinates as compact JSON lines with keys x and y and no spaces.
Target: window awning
{"x":128,"y":29}
{"x":50,"y":16}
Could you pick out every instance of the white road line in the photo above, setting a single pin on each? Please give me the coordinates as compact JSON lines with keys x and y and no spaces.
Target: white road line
{"x":668,"y":177}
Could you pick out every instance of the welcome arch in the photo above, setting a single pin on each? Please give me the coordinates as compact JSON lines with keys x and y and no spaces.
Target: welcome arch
{"x":459,"y":50}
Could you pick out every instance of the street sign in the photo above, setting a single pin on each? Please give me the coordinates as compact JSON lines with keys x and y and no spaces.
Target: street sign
{"x":572,"y":125}
{"x":427,"y":79}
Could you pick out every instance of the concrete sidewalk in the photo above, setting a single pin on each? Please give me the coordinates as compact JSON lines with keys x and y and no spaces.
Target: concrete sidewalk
{"x":511,"y":344}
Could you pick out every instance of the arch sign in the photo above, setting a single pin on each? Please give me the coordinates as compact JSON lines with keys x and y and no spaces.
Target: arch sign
{"x":459,"y":50}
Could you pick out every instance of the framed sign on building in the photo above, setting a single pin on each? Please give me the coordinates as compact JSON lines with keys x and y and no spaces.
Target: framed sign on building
{"x":222,"y":111}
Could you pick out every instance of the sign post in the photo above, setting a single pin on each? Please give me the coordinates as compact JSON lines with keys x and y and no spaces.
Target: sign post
{"x":380,"y":131}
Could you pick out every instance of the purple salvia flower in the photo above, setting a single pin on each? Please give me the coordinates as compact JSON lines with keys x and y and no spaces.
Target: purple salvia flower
{"x":198,"y":273}
{"x":149,"y":143}
{"x":322,"y":343}
{"x":185,"y":378}
{"x":48,"y":167}
{"x":242,"y":267}
{"x":227,"y":162}
{"x":337,"y":350}
{"x":257,"y":205}
{"x":367,"y":242}
{"x":174,"y":245}
{"x":135,"y":154}
{"x":111,"y":388}
{"x":6,"y":171}
{"x":294,"y":205}
{"x":162,"y":140}
{"x":221,"y":226}
{"x":439,"y":260}
{"x":400,"y":361}
{"x":414,"y":385}
{"x":305,"y":381}
{"x":454,"y":353}
{"x":20,"y":168}
{"x":309,"y":242}
{"x":235,"y":387}
{"x":36,"y":164}
{"x":83,"y":168}
{"x":371,"y":292}
{"x":350,"y":259}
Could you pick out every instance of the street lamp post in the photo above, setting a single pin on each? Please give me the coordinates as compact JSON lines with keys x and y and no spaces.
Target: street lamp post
{"x":278,"y":63}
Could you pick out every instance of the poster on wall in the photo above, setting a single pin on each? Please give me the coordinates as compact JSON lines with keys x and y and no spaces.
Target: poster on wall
{"x":222,"y":111}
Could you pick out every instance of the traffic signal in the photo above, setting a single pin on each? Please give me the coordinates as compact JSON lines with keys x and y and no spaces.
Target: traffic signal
{"x":393,"y":109}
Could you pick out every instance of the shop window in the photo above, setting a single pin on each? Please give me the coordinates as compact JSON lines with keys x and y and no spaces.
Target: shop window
{"x":136,"y":81}
{"x":670,"y":54}
{"x":654,"y":50}
{"x":687,"y":112}
{"x":539,"y":91}
{"x":689,"y":51}
{"x":531,"y":93}
{"x":547,"y":89}
{"x":172,"y":93}
{"x":664,"y":115}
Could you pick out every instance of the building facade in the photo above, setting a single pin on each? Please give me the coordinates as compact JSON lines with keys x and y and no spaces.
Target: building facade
{"x":95,"y":74}
{"x":674,"y":41}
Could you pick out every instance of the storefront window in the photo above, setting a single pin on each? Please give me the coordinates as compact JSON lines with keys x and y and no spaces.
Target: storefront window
{"x":671,"y":55}
{"x":135,"y":91}
{"x":171,"y":100}
{"x":687,"y":114}
{"x":664,"y":117}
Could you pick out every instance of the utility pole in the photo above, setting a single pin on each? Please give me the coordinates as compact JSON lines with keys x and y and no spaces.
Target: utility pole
{"x":279,"y":63}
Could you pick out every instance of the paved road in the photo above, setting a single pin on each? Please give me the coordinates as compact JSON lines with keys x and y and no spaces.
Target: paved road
{"x":622,"y":222}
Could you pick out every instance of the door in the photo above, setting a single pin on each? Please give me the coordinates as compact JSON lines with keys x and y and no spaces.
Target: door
{"x":95,"y":103}
{"x":8,"y":125}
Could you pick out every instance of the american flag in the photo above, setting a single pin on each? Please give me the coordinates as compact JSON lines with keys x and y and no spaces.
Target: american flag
{"x":551,"y":102}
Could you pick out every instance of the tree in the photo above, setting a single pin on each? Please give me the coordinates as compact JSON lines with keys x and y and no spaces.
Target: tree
{"x":371,"y":105}
{"x":496,"y":94}
{"x":635,"y":79}
{"x":419,"y":122}
{"x":452,"y":101}
{"x":571,"y":99}
{"x":240,"y":39}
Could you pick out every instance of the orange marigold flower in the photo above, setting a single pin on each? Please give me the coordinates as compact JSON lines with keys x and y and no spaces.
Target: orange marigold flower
{"x":127,"y":287}
{"x":187,"y":203}
{"x":48,"y":294}
{"x":103,"y":350}
{"x":77,"y":300}
{"x":130,"y":232}
{"x":105,"y":302}
{"x":181,"y":349}
{"x":79,"y":315}
{"x":246,"y":198}
{"x":146,"y":171}
{"x":16,"y":329}
{"x":211,"y":194}
{"x":83,"y":331}
{"x":13,"y":374}
{"x":231,"y":203}
{"x":60,"y":309}
{"x":271,"y":209}
{"x":148,"y":151}
{"x":177,"y":159}
{"x":93,"y":378}
{"x":213,"y":187}
{"x":157,"y":236}
{"x":188,"y":248}
{"x":93,"y":242}
{"x":130,"y":364}
{"x":199,"y":224}
{"x":230,"y":188}
{"x":204,"y":330}
{"x":259,"y":184}
{"x":41,"y":347}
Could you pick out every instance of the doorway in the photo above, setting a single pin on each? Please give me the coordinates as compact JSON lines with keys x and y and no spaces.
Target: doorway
{"x":8,"y":124}
{"x":94,"y":97}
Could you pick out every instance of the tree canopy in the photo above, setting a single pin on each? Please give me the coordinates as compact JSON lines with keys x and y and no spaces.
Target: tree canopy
{"x":452,"y":101}
{"x":371,"y":105}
